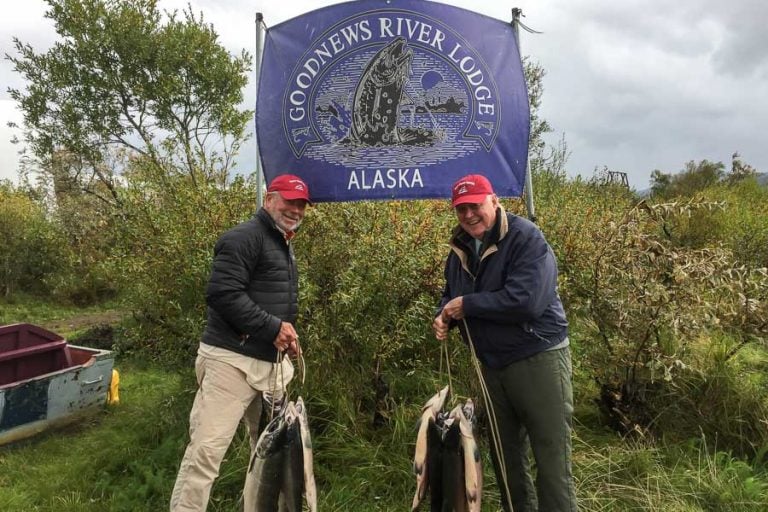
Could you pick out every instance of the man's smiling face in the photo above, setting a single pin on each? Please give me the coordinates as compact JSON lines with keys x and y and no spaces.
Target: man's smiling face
{"x":477,"y":218}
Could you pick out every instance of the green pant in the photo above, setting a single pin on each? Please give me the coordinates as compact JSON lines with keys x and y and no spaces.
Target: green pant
{"x":533,"y":404}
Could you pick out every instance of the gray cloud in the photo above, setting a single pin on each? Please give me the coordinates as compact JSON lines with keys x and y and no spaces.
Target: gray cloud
{"x":634,"y":85}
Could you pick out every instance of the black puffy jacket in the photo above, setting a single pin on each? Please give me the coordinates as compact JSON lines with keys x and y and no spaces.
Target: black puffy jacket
{"x":254,"y":285}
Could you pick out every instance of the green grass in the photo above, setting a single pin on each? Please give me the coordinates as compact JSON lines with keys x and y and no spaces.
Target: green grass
{"x":66,"y":320}
{"x":616,"y":475}
{"x":120,"y":459}
{"x":125,"y":458}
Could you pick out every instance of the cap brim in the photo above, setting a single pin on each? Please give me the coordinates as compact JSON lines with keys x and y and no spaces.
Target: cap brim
{"x":291,"y":195}
{"x":469,"y":198}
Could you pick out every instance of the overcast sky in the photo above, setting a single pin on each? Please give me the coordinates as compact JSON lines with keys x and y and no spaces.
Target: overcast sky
{"x":632,"y":85}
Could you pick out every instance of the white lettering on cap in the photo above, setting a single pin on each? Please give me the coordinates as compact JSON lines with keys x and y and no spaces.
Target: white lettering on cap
{"x":462,"y":186}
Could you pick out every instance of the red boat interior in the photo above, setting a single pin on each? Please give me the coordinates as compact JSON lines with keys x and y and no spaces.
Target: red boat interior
{"x":28,"y":351}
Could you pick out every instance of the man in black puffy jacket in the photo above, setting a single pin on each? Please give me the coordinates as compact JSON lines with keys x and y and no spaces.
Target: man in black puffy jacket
{"x":252,"y":299}
{"x":501,"y":291}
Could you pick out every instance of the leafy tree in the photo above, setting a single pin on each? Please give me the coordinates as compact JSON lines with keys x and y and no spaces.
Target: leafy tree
{"x":122,"y":83}
{"x":693,"y":178}
{"x":534,"y":77}
{"x":161,"y":256}
{"x":740,"y":170}
{"x":660,"y":183}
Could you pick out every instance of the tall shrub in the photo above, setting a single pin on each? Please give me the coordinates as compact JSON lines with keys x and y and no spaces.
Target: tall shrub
{"x":372,"y":273}
{"x":165,"y":233}
{"x":32,"y":249}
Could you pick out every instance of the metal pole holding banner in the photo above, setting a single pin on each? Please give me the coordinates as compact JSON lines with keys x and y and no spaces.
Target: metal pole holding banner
{"x":259,"y":52}
{"x":528,"y":189}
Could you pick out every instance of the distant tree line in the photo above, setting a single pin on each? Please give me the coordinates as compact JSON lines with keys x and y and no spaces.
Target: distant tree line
{"x":695,"y":177}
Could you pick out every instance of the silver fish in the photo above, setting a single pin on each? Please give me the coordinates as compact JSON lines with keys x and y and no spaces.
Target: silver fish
{"x":473,"y":469}
{"x":292,"y":471}
{"x":265,"y":468}
{"x":280,"y":471}
{"x":420,"y":459}
{"x":310,"y":490}
{"x":453,"y":497}
{"x":435,"y":433}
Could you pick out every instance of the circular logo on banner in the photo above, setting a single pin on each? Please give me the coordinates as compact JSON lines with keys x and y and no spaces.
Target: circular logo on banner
{"x":398,"y":84}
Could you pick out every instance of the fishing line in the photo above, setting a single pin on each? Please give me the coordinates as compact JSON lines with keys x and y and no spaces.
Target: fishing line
{"x":300,"y":362}
{"x":492,"y":422}
{"x":277,"y":369}
{"x":444,"y":354}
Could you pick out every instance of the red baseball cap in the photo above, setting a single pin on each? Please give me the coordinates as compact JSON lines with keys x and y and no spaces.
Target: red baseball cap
{"x":472,"y":188}
{"x":290,"y":186}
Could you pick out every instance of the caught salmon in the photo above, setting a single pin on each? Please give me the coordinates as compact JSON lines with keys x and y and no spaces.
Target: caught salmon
{"x":447,"y":461}
{"x":453,"y":498}
{"x":280,"y":472}
{"x":473,"y":469}
{"x":266,"y":468}
{"x":310,"y":490}
{"x":292,"y":471}
{"x":420,"y":458}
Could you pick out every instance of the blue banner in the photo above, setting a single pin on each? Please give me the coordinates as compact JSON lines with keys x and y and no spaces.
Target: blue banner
{"x":392,"y":99}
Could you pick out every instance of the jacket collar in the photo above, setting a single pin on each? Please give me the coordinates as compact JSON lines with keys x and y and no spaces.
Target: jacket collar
{"x":269,"y":221}
{"x":461,"y":242}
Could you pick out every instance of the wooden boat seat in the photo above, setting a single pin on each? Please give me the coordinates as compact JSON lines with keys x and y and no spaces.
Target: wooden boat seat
{"x":27,"y":362}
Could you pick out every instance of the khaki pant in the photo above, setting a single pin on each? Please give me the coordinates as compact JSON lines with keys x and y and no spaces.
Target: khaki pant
{"x":226,"y":395}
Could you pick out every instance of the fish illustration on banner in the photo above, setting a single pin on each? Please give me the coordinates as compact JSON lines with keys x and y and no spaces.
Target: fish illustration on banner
{"x":392,"y":99}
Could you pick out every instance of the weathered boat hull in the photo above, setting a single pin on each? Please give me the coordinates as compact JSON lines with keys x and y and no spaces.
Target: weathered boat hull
{"x":47,"y":383}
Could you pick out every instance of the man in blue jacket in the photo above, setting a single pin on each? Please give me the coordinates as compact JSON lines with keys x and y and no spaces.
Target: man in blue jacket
{"x":252,"y":298}
{"x":501,"y":291}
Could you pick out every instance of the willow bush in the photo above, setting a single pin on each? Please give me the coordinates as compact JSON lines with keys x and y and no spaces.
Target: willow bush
{"x":372,"y":273}
{"x":741,"y":224}
{"x":32,"y":247}
{"x":166,"y":228}
{"x":648,"y":309}
{"x":737,"y":219}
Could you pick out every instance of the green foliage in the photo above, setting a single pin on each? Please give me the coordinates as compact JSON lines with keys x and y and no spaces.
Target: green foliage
{"x":737,"y":219}
{"x":84,"y":218}
{"x":124,"y":90}
{"x":648,"y":299}
{"x":642,"y":297}
{"x":161,"y":255}
{"x":371,"y":273}
{"x":721,"y":396}
{"x":743,"y":225}
{"x":122,"y":82}
{"x":693,"y":178}
{"x":31,"y":246}
{"x":685,"y":477}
